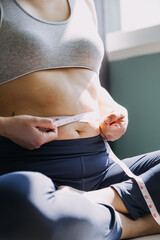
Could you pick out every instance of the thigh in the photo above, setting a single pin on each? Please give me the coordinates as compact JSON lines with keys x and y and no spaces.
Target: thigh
{"x":138,"y":165}
{"x":31,"y":209}
{"x":23,"y":211}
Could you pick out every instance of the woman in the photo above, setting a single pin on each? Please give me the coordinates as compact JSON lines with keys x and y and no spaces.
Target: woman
{"x":50,"y":59}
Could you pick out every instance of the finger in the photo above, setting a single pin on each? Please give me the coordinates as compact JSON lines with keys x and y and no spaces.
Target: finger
{"x":45,"y":123}
{"x":122,"y":122}
{"x":112,"y":132}
{"x":49,"y":134}
{"x":104,"y":127}
{"x":107,"y":129}
{"x":113,"y":118}
{"x":45,"y":136}
{"x":118,"y":130}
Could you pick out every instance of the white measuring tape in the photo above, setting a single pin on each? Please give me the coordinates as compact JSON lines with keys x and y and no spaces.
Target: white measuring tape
{"x":140,"y":183}
{"x":94,"y":117}
{"x":83,"y":117}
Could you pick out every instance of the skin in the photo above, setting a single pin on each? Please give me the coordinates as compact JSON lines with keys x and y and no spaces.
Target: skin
{"x":38,"y":95}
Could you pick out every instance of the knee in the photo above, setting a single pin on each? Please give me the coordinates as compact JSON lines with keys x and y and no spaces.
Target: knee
{"x":20,"y":188}
{"x":154,"y":157}
{"x":13,"y":185}
{"x":24,"y":183}
{"x":21,"y":215}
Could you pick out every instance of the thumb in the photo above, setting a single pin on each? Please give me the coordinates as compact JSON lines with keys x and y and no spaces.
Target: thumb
{"x":45,"y":122}
{"x":46,"y":127}
{"x":113,"y":117}
{"x":47,"y":135}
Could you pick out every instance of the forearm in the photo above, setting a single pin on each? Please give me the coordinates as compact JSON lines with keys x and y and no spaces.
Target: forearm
{"x":3,"y":121}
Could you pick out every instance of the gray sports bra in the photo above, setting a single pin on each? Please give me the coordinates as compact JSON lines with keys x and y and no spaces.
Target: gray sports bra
{"x":28,"y":44}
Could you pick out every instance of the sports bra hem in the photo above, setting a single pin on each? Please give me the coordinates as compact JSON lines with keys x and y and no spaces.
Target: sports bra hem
{"x":49,"y":68}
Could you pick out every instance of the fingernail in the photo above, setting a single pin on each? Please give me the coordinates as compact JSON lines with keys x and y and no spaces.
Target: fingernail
{"x":106,"y":122}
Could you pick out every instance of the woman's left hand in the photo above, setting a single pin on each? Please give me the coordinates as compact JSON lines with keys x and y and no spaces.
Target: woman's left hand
{"x":114,"y":125}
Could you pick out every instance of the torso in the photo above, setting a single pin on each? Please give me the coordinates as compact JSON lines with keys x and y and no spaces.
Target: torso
{"x":45,"y":93}
{"x":54,"y":93}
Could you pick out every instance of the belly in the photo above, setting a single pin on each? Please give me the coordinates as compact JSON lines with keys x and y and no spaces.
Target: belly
{"x":54,"y":93}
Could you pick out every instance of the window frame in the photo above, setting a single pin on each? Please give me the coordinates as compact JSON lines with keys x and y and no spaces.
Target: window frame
{"x":122,"y":45}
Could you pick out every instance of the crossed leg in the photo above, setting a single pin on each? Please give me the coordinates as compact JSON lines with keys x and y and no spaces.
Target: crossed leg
{"x":143,"y":226}
{"x":124,"y":195}
{"x":32,"y":209}
{"x":30,"y":200}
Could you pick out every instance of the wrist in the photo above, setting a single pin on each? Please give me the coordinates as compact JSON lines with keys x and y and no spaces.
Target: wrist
{"x":3,"y":126}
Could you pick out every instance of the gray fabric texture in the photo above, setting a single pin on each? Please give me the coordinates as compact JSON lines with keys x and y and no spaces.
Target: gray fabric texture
{"x":28,"y":44}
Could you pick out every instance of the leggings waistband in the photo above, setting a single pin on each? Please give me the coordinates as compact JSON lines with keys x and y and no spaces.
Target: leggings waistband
{"x":56,"y":147}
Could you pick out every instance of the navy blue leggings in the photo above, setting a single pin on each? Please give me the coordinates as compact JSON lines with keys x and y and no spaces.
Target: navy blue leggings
{"x":31,"y":209}
{"x":81,"y":163}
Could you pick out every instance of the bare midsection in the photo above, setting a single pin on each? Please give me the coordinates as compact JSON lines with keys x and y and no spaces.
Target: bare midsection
{"x":51,"y":93}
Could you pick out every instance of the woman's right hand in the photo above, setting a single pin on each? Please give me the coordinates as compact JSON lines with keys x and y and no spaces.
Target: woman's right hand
{"x":28,"y":131}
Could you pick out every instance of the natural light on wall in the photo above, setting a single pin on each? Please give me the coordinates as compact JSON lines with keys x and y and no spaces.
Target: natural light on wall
{"x":137,"y":14}
{"x":132,"y":28}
